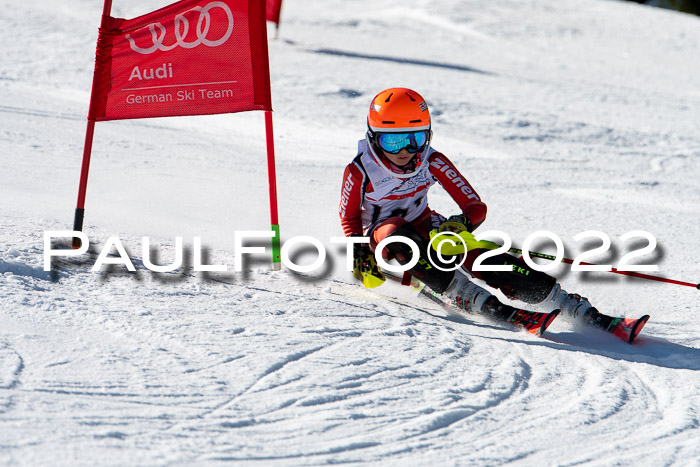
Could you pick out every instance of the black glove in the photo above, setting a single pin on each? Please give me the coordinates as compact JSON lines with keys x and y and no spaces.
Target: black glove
{"x":458,"y":223}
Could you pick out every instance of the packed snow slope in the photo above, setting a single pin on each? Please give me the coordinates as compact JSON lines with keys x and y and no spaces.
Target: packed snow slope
{"x":566,"y":116}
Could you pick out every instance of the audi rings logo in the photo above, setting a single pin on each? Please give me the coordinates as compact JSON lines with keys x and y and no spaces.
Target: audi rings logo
{"x":182,"y":27}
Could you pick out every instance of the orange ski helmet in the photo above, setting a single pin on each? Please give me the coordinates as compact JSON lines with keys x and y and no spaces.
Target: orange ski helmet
{"x":397,"y":118}
{"x":397,"y":110}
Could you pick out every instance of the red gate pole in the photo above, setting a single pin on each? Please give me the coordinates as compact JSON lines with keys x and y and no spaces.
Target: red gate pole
{"x":87,"y":148}
{"x":272,"y":182}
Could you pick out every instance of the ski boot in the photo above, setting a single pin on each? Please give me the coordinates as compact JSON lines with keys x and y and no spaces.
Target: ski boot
{"x":474,"y":299}
{"x":579,"y":308}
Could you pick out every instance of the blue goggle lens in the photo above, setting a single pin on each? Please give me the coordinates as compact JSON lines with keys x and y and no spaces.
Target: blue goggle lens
{"x":393,"y":143}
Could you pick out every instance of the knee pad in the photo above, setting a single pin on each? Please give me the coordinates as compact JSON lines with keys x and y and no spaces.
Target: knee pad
{"x":383,"y":230}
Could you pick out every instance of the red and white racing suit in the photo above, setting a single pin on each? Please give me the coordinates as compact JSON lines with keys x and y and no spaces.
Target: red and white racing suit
{"x":372,"y":194}
{"x":376,"y":203}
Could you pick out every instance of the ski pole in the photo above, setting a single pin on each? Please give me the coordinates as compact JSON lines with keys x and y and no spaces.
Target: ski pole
{"x":614,"y":270}
{"x":470,"y":242}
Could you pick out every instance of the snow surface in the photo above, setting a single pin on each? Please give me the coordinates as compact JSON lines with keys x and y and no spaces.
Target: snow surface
{"x":565,"y":115}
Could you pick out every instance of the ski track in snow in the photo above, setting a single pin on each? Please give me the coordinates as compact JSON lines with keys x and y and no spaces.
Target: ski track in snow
{"x":591,"y":119}
{"x":339,"y":365}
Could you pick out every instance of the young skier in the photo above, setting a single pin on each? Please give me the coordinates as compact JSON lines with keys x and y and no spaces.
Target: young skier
{"x":384,"y":194}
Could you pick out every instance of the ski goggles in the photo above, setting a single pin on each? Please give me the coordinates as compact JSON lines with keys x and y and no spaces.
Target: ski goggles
{"x":393,"y":143}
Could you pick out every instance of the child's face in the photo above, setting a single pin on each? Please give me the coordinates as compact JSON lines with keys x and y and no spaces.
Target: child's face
{"x":400,"y":159}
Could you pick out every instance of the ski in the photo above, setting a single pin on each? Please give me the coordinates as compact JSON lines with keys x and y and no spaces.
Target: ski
{"x":535,"y":322}
{"x":532,"y":321}
{"x":626,"y":329}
